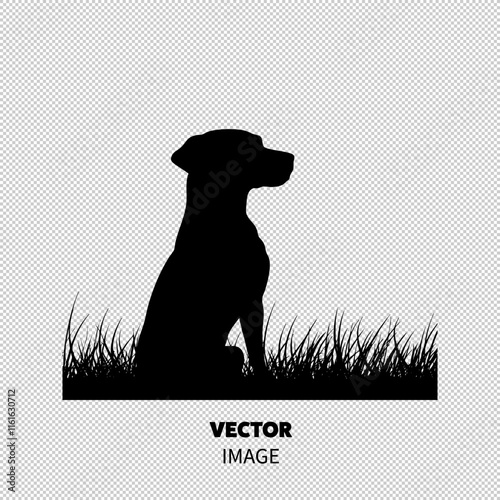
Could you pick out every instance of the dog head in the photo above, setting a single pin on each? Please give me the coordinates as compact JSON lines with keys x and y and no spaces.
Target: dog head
{"x":237,"y":154}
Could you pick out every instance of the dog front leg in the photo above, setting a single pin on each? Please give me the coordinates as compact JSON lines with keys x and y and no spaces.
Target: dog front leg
{"x":252,"y":320}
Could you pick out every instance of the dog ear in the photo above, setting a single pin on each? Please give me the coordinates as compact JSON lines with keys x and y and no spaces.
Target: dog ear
{"x":189,"y":156}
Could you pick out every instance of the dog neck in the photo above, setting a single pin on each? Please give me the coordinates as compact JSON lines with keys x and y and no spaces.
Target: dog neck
{"x":215,"y":209}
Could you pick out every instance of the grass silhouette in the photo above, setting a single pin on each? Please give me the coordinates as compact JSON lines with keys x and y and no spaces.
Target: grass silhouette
{"x":341,"y":363}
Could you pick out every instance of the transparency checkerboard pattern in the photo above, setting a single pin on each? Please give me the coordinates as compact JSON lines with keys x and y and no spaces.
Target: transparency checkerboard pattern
{"x":390,"y":111}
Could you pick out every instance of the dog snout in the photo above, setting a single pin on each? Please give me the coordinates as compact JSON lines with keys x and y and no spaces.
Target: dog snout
{"x":281,"y":169}
{"x":286,"y":165}
{"x":290,"y":158}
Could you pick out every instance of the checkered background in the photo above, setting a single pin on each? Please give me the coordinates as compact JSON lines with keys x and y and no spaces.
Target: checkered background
{"x":390,"y":109}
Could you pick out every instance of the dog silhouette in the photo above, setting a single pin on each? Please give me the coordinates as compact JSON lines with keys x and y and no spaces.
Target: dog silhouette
{"x":217,"y":273}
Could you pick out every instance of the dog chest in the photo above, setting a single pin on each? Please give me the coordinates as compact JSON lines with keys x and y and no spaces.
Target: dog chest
{"x":253,"y":266}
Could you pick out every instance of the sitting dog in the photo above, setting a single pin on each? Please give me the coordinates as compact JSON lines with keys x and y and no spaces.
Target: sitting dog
{"x":217,"y":272}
